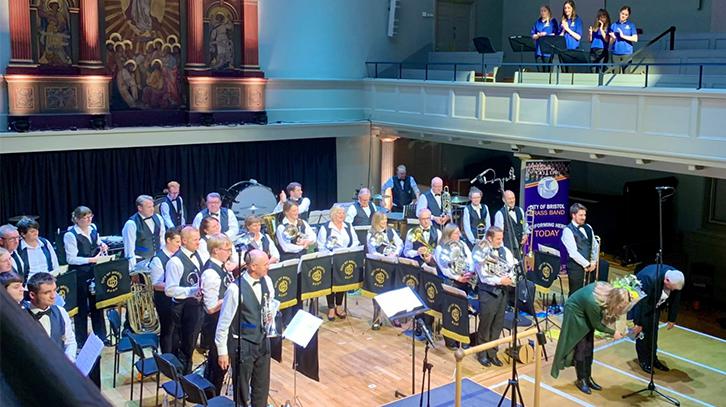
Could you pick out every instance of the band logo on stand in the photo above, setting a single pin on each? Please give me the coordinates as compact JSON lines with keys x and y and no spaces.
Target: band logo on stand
{"x":431,"y":290}
{"x":455,"y":321}
{"x":113,"y":284}
{"x":378,"y":279}
{"x":284,"y":279}
{"x":347,"y":269}
{"x":67,"y":286}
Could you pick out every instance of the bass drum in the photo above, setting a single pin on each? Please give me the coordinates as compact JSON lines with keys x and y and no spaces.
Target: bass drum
{"x":251,"y":198}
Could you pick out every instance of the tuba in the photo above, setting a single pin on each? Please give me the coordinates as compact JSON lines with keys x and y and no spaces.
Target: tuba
{"x":378,"y":239}
{"x":141,"y":311}
{"x":417,"y":236}
{"x":446,"y":207}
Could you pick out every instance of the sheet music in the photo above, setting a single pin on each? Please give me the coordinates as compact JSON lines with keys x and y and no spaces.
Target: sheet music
{"x":104,"y":259}
{"x":89,"y":354}
{"x":302,"y":328}
{"x":397,"y":301}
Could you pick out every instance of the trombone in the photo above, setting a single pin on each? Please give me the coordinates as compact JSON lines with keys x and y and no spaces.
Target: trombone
{"x":529,"y":261}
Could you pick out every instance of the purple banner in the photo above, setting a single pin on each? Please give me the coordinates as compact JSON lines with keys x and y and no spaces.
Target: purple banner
{"x":546,"y":192}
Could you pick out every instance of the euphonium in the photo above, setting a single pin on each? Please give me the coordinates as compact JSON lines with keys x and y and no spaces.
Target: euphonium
{"x":481,"y":231}
{"x":446,"y":201}
{"x":140,"y":307}
{"x":417,"y":236}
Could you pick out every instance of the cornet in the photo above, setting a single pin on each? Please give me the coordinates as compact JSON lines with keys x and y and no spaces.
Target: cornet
{"x":270,"y":307}
{"x":446,"y":207}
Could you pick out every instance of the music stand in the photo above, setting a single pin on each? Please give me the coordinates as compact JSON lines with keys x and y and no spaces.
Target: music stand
{"x":483,"y":46}
{"x":315,"y":272}
{"x":284,"y":279}
{"x":400,"y":304}
{"x":575,"y":56}
{"x":113,"y":283}
{"x":300,"y":331}
{"x":66,"y":286}
{"x":362,"y":233}
{"x":521,"y":44}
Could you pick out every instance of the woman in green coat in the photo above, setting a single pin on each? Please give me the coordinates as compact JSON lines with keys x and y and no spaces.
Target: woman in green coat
{"x":594,"y":307}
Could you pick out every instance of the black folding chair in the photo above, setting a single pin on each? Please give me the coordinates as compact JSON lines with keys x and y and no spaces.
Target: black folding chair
{"x":122,"y":343}
{"x":171,"y":370}
{"x":196,"y":394}
{"x":145,"y":366}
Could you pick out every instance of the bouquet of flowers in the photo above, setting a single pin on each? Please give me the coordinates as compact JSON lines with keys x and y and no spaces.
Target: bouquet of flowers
{"x":632,"y":285}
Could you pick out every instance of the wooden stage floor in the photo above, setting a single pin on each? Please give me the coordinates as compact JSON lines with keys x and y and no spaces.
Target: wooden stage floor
{"x":361,"y":367}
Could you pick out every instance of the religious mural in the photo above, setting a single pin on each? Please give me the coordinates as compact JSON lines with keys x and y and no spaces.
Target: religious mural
{"x":143,"y":53}
{"x":53,"y":25}
{"x":221,"y":43}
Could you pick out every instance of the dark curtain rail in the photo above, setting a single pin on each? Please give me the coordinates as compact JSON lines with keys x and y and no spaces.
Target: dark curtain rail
{"x":52,"y":184}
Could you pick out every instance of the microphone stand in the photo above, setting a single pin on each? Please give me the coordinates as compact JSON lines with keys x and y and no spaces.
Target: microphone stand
{"x":658,"y":288}
{"x":513,"y":382}
{"x":237,"y":401}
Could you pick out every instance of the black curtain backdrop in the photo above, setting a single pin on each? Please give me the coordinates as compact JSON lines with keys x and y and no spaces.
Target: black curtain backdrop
{"x":52,"y":184}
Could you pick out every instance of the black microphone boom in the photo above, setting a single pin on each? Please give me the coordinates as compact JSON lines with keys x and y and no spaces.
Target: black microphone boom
{"x":664,"y":188}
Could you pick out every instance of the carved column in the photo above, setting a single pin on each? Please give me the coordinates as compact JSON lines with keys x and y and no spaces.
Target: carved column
{"x":195,"y":35}
{"x":250,"y":35}
{"x":20,"y":33}
{"x":90,"y":42}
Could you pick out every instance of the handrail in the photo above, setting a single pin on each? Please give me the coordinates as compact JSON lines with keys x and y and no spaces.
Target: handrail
{"x":671,"y":43}
{"x":460,"y":354}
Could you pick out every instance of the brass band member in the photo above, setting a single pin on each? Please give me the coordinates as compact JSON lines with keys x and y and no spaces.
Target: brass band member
{"x":36,"y":252}
{"x":454,"y":258}
{"x":172,"y":208}
{"x":10,"y":240}
{"x":83,"y":247}
{"x":382,"y":239}
{"x":414,"y":247}
{"x":493,"y":283}
{"x":403,"y":189}
{"x":431,"y":200}
{"x":12,"y":282}
{"x":172,"y":239}
{"x":143,"y":233}
{"x":294,"y":193}
{"x":361,"y":212}
{"x":225,"y":216}
{"x":182,"y":279}
{"x":53,"y":318}
{"x":215,"y":280}
{"x":210,"y":226}
{"x":259,"y":240}
{"x":476,"y":220}
{"x":333,"y":235}
{"x":595,"y":307}
{"x":582,"y":248}
{"x":519,"y":222}
{"x":245,"y":320}
{"x":294,"y":235}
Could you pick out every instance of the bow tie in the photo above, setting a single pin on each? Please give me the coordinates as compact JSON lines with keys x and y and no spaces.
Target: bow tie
{"x":511,"y":209}
{"x":149,"y":218}
{"x":254,"y":283}
{"x":214,"y":214}
{"x":39,"y":315}
{"x":427,"y":230}
{"x":437,"y":195}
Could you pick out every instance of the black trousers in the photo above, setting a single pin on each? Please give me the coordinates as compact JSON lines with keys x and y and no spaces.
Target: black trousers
{"x":167,"y":341}
{"x":575,"y":277}
{"x":599,"y":56}
{"x":250,"y":372}
{"x":213,"y":372}
{"x":209,"y":326}
{"x":187,"y":317}
{"x":335,"y":299}
{"x":583,"y":355}
{"x":542,"y":59}
{"x":650,"y":338}
{"x":491,"y":318}
{"x":87,"y":306}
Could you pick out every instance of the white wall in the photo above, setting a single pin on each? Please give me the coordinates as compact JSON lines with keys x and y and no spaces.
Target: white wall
{"x":358,"y":158}
{"x":334,"y":39}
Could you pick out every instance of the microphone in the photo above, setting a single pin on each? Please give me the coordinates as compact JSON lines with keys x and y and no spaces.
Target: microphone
{"x":426,"y":332}
{"x":481,"y":177}
{"x":664,"y":188}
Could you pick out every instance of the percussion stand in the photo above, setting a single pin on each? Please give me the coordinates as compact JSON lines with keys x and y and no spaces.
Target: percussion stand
{"x":658,"y":288}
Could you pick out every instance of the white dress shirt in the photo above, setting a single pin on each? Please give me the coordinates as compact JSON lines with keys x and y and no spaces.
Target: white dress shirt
{"x":488,"y":278}
{"x":568,"y":240}
{"x":157,"y":271}
{"x":174,"y":271}
{"x":229,"y":309}
{"x":353,"y":210}
{"x":69,"y":337}
{"x":166,"y":212}
{"x":397,"y":242}
{"x":129,"y":237}
{"x":408,"y":249}
{"x":71,"y":245}
{"x":211,"y":283}
{"x":466,"y":222}
{"x":444,"y":263}
{"x":36,"y":258}
{"x":423,"y":203}
{"x":232,"y":222}
{"x":284,"y":241}
{"x":401,"y":182}
{"x":257,"y":243}
{"x":303,"y":207}
{"x":499,"y":220}
{"x":341,"y":236}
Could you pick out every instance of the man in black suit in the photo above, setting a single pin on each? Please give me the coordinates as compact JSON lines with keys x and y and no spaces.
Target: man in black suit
{"x":670,"y":282}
